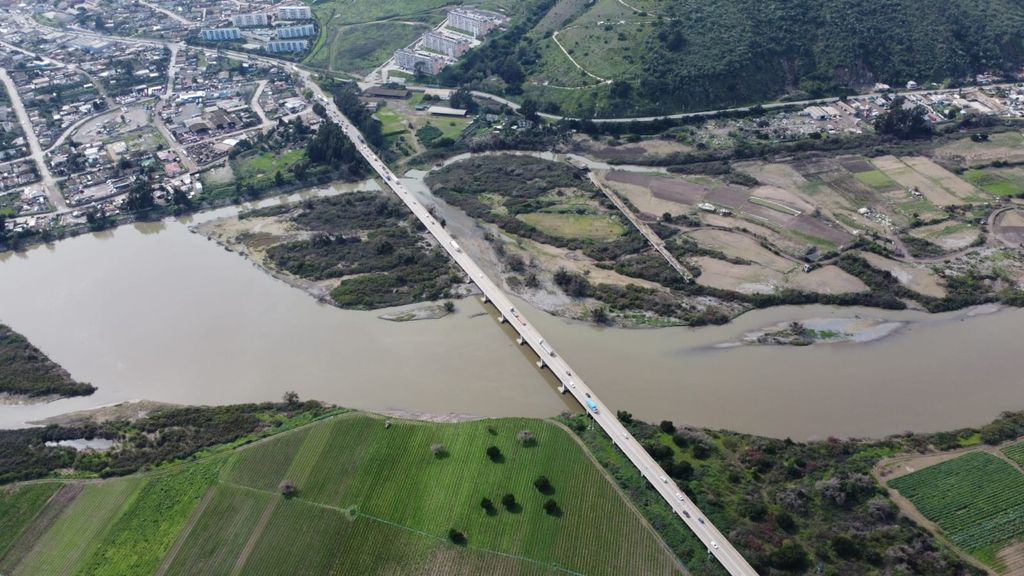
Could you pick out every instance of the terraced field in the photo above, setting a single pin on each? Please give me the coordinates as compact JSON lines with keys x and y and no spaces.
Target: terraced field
{"x":371,"y":499}
{"x":976,"y":499}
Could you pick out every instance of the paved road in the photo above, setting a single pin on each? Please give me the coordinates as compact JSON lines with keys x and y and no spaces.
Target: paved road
{"x":49,"y":183}
{"x":717,"y":545}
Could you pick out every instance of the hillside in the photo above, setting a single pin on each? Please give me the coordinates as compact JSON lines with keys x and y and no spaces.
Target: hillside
{"x":370,"y":499}
{"x":26,"y":371}
{"x":604,"y":58}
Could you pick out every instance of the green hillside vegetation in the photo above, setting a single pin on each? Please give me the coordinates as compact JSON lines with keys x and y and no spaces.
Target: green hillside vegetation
{"x":677,"y":55}
{"x":368,"y":498}
{"x":25,"y":370}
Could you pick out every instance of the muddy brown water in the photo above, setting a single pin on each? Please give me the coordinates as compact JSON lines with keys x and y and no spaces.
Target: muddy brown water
{"x":154,"y":311}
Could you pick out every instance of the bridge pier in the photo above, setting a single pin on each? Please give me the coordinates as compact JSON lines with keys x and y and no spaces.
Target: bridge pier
{"x":561,"y":388}
{"x":520,"y":341}
{"x":484,"y":300}
{"x":501,"y":320}
{"x":540,"y":364}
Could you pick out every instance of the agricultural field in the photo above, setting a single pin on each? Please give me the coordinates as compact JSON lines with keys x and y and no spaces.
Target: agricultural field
{"x":977,"y":501}
{"x":1000,"y":147}
{"x":998,"y":182}
{"x":1015,"y":452}
{"x":18,"y":506}
{"x":368,"y":499}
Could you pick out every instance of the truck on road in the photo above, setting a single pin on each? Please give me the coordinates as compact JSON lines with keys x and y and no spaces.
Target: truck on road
{"x":547,"y":347}
{"x":591,"y":405}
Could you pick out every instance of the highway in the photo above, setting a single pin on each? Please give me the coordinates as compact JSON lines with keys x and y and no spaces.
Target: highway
{"x":681,"y":504}
{"x":715,"y":541}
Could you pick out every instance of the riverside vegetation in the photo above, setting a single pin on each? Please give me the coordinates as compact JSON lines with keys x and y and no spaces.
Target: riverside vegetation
{"x":367,"y":240}
{"x":26,"y":371}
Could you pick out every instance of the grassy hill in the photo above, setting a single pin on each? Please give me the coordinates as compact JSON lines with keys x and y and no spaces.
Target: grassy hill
{"x":673,"y":55}
{"x":25,"y":370}
{"x":370,"y":499}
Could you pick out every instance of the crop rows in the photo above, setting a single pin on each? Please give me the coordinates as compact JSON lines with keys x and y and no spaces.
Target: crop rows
{"x":18,"y":507}
{"x":264,"y":465}
{"x":977,"y":499}
{"x":79,"y":530}
{"x":218,"y":537}
{"x":1015,"y":452}
{"x":139,"y":539}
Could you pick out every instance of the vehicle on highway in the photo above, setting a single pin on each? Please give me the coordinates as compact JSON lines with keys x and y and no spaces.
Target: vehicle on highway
{"x":625,"y":435}
{"x":663,"y":479}
{"x":592,"y":406}
{"x":455,"y":246}
{"x":572,"y":384}
{"x":547,"y":347}
{"x":679,"y":495}
{"x":700,"y":519}
{"x":714,"y":545}
{"x":685,"y":513}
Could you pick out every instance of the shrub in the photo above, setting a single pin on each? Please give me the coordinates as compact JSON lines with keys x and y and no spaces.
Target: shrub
{"x":494,"y":453}
{"x":543,"y":485}
{"x":457,"y":538}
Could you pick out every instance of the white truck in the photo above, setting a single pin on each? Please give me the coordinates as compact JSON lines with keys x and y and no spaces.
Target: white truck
{"x":547,"y":347}
{"x":455,"y":246}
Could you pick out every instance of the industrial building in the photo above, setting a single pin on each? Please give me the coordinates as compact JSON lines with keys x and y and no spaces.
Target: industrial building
{"x":294,"y":13}
{"x":412,"y":61}
{"x":282,"y":46}
{"x":219,"y":34}
{"x":450,"y":46}
{"x":250,"y":20}
{"x":475,"y":23}
{"x":299,"y":31}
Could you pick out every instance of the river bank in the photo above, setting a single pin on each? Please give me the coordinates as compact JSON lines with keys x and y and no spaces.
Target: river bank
{"x":164,"y":314}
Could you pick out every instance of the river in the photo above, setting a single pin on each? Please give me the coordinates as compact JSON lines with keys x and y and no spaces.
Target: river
{"x":153,"y":311}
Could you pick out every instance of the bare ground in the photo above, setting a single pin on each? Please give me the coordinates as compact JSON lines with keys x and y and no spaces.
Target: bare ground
{"x":918,"y":278}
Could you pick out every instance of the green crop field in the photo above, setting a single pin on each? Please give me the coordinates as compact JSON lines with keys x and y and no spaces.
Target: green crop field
{"x":585,"y":226}
{"x":260,"y":168}
{"x":370,"y":500}
{"x":18,"y":507}
{"x":1015,"y":452}
{"x":976,"y":499}
{"x":994,"y":183}
{"x":78,"y":531}
{"x":876,"y":179}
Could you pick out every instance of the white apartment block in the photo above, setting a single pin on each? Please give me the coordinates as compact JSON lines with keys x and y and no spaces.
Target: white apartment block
{"x":411,"y":61}
{"x":474,"y":22}
{"x":300,"y":31}
{"x":294,"y":13}
{"x":250,"y":20}
{"x":218,"y":34}
{"x":282,"y":46}
{"x":448,"y":45}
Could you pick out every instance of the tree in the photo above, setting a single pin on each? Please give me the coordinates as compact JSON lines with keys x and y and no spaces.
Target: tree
{"x":457,"y":538}
{"x":449,"y":306}
{"x":551,"y":507}
{"x":139,"y":197}
{"x":527,"y":438}
{"x":494,"y":453}
{"x":488,"y":506}
{"x":291,"y":398}
{"x":624,"y":416}
{"x":463,"y":100}
{"x":278,"y":178}
{"x":287,"y":488}
{"x":320,"y":110}
{"x":904,"y":122}
{"x":3,"y":227}
{"x":543,"y":485}
{"x":667,"y":427}
{"x":509,"y":502}
{"x":529,"y":109}
{"x":438,"y":450}
{"x":790,"y":556}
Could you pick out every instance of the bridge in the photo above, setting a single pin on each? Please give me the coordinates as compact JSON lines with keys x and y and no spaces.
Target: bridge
{"x":571,"y":382}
